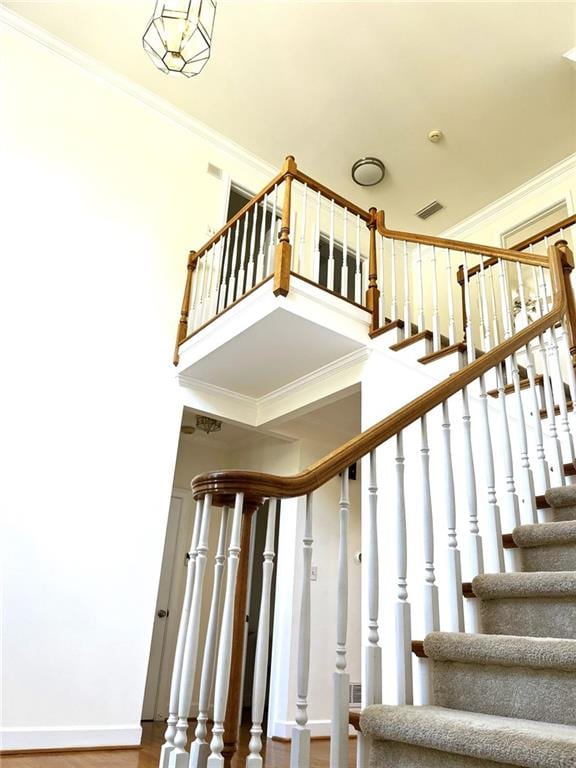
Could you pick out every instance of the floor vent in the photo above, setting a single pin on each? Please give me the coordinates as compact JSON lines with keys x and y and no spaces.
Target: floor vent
{"x":429,"y":210}
{"x":355,"y":694}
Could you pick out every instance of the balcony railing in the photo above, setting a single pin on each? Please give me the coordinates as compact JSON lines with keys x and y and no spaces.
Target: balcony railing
{"x":295,"y":226}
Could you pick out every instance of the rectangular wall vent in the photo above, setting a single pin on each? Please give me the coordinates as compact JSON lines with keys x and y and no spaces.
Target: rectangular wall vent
{"x":213,"y":170}
{"x":429,"y":210}
{"x":355,"y":694}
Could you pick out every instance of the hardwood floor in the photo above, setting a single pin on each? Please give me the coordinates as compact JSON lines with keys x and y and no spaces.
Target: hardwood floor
{"x":277,"y":754}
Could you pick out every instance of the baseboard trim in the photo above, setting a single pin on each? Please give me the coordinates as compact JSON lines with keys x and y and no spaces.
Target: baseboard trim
{"x":58,"y":739}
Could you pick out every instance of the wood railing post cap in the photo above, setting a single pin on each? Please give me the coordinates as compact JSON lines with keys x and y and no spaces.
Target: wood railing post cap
{"x":290,"y":164}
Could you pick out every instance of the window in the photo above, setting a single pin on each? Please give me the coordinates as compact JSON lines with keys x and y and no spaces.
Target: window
{"x":534,"y":225}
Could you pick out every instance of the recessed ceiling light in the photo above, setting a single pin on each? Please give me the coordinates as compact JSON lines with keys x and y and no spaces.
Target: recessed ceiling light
{"x":570,"y":55}
{"x":368,"y":171}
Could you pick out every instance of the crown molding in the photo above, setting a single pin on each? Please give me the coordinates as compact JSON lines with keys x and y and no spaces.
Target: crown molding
{"x":130,"y":88}
{"x":551,"y":175}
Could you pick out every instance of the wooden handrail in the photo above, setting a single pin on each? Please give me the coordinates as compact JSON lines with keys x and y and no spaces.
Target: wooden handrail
{"x":460,"y":245}
{"x":258,"y":486}
{"x":278,"y":179}
{"x":553,"y":229}
{"x":331,"y":195}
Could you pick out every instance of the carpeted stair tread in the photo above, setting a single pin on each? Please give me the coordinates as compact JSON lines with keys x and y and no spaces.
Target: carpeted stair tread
{"x":506,"y":650}
{"x":545,"y":534}
{"x":485,"y":737}
{"x":562,"y":496}
{"x":498,"y":586}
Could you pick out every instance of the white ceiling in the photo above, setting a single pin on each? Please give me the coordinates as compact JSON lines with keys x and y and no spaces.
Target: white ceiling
{"x":333,"y":81}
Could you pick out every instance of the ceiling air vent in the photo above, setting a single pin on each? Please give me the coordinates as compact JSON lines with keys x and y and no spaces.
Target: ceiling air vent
{"x":213,"y":170}
{"x":429,"y":210}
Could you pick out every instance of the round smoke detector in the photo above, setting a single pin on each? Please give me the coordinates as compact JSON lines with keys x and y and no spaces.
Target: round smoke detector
{"x":368,"y":171}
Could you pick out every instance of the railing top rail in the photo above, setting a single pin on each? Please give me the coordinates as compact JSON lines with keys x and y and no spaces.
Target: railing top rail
{"x":331,"y":195}
{"x":256,"y":485}
{"x":553,"y":229}
{"x":460,"y":245}
{"x":278,"y":179}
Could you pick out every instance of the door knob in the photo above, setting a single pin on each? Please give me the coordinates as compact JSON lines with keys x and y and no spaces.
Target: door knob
{"x":162,"y":614}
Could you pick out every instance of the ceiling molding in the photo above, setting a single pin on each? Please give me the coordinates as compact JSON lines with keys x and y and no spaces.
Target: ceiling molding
{"x":130,"y":88}
{"x":551,"y":175}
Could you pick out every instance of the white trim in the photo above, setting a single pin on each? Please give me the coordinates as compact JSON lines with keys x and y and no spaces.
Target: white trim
{"x":138,"y":92}
{"x":70,"y":737}
{"x":318,"y":728}
{"x":551,"y":175}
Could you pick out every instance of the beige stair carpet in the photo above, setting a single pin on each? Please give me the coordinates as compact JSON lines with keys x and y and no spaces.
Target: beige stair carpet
{"x":506,"y":697}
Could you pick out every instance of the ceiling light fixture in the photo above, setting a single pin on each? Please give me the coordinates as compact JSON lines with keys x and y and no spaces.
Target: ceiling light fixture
{"x":179,"y":35}
{"x":368,"y":171}
{"x":208,"y":425}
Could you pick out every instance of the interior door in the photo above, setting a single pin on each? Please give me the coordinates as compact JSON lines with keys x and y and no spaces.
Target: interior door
{"x":163,"y":615}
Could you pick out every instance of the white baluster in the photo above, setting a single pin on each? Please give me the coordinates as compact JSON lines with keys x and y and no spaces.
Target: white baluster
{"x":233,"y":266}
{"x":523,"y":314}
{"x":506,"y":313}
{"x":407,"y":320}
{"x":340,"y":678}
{"x":454,"y":561}
{"x":492,"y":509}
{"x":301,"y":249}
{"x":528,"y":493}
{"x":250,"y":270}
{"x":201,"y":274}
{"x":216,"y":759}
{"x":216,"y":267}
{"x":449,"y":289}
{"x":495,"y":327}
{"x":372,"y":681}
{"x":436,"y":340}
{"x":261,"y":258}
{"x":470,"y":348}
{"x":541,"y":463}
{"x":209,"y":266}
{"x":344,"y":272}
{"x":548,"y":392}
{"x":394,"y":285}
{"x":403,"y":623}
{"x":254,"y":759}
{"x":224,"y":281}
{"x":300,"y":751}
{"x":372,"y":666}
{"x":316,"y":243}
{"x":512,"y":509}
{"x":431,"y":605}
{"x":484,"y":314}
{"x":330,"y":278}
{"x":199,"y":750}
{"x":273,"y":229}
{"x":358,"y":274}
{"x":241,"y":273}
{"x":179,"y":757}
{"x":420,"y":275}
{"x":476,"y":553}
{"x":382,"y":279}
{"x":194,"y":299}
{"x":168,"y":745}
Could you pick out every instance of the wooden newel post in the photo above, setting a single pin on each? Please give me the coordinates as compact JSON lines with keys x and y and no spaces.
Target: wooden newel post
{"x":567,"y":258}
{"x":183,"y":324}
{"x":372,"y":292}
{"x":239,"y":632}
{"x":283,"y":253}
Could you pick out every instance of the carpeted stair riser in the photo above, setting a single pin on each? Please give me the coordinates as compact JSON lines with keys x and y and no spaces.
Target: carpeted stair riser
{"x":394,"y":754}
{"x":529,"y":616}
{"x":547,"y":695}
{"x":547,"y":547}
{"x":562,"y":503}
{"x":558,"y":558}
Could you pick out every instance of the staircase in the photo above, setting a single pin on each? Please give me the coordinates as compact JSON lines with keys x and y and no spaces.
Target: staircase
{"x":505,"y":697}
{"x":469,"y":476}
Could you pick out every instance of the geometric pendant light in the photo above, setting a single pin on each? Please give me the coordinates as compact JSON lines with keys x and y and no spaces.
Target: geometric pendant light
{"x":179,"y":35}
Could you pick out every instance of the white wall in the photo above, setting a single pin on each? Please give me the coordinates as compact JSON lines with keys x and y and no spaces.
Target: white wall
{"x":102,"y":199}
